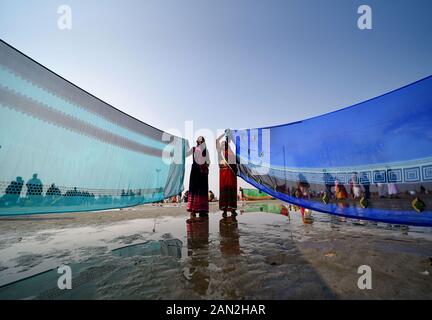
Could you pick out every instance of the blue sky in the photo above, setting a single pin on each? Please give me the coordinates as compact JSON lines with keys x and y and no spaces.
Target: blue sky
{"x":225,"y":63}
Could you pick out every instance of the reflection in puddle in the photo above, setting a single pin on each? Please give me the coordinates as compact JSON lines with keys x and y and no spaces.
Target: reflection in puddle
{"x":229,"y":236}
{"x":198,"y":253}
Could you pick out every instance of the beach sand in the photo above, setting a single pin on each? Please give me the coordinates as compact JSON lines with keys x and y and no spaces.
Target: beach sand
{"x":155,"y":252}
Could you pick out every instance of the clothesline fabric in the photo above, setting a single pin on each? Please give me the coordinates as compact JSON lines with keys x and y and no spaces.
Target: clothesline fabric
{"x":369,"y":161}
{"x":63,"y":150}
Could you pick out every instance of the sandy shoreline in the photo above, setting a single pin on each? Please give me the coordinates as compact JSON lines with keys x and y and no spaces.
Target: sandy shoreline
{"x":262,"y":256}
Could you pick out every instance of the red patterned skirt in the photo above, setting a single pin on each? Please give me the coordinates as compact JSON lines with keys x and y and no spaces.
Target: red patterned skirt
{"x":198,"y":203}
{"x":198,"y":191}
{"x":227,"y":189}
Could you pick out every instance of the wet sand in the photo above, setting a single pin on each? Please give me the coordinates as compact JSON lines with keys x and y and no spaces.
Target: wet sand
{"x":154,"y":252}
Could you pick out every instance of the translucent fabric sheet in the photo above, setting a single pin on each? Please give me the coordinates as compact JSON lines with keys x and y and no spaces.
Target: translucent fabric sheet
{"x":369,"y":161}
{"x":62,"y":149}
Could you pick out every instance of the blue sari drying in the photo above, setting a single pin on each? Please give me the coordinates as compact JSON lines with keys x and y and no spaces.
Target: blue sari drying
{"x":371,"y":161}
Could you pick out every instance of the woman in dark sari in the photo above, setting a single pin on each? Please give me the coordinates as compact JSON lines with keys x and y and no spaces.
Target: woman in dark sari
{"x":198,"y":183}
{"x":227,"y":178}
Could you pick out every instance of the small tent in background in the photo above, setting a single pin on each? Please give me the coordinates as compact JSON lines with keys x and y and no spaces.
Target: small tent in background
{"x":254,"y":194}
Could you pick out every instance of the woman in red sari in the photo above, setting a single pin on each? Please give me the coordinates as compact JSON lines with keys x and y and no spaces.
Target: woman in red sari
{"x":198,"y":183}
{"x":227,"y":178}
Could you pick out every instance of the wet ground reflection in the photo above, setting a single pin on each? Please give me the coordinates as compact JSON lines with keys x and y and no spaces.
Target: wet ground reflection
{"x":198,"y":252}
{"x":269,"y":251}
{"x":229,"y":236}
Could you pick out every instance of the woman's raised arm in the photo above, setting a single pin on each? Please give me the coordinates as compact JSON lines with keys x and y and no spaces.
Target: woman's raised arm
{"x":189,"y":150}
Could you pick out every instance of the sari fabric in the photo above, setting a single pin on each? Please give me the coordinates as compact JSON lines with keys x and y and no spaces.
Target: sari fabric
{"x":198,"y":184}
{"x":227,"y":185}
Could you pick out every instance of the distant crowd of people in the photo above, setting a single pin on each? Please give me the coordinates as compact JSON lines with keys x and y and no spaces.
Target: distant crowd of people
{"x":353,"y":189}
{"x":34,"y":194}
{"x":183,"y":198}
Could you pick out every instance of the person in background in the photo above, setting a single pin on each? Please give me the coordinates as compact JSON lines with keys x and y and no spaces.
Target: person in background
{"x":34,"y":186}
{"x":355,"y":190}
{"x":340,"y":191}
{"x":198,"y":183}
{"x":303,"y":186}
{"x":366,"y":185}
{"x":328,"y":183}
{"x":227,"y":177}
{"x":185,"y":196}
{"x":382,"y":190}
{"x":12,"y":192}
{"x":211,"y":196}
{"x":392,"y":190}
{"x":241,"y":194}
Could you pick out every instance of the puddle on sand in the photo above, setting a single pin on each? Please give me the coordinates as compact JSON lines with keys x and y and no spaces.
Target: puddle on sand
{"x":166,"y":247}
{"x":259,"y":254}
